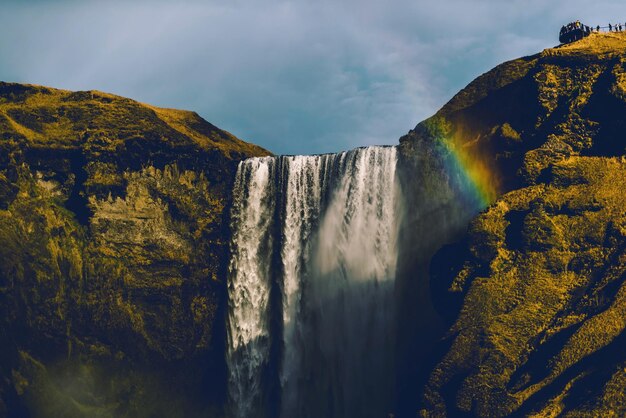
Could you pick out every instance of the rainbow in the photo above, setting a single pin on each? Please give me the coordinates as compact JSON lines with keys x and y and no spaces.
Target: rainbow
{"x":474,"y":176}
{"x":470,"y":167}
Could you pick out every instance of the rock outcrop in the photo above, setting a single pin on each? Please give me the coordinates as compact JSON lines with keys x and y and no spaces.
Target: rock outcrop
{"x":533,"y":293}
{"x":113,"y":223}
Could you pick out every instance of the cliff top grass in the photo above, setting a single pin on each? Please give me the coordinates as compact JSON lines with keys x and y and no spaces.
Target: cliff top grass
{"x":43,"y":116}
{"x":596,"y":44}
{"x":603,"y":45}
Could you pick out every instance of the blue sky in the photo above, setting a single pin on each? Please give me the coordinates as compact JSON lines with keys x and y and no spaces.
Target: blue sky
{"x":296,"y":77}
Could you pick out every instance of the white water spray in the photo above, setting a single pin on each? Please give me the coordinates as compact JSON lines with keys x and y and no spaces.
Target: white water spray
{"x":336,"y":241}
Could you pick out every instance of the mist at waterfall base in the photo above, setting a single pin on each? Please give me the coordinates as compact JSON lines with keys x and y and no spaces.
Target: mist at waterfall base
{"x":311,"y":328}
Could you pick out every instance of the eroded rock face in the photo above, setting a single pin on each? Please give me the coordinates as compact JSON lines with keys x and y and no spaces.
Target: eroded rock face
{"x":542,"y":320}
{"x":532,"y":291}
{"x":113,"y":221}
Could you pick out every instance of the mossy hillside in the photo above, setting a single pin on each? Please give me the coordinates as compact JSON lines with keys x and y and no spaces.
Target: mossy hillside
{"x":532,"y":291}
{"x":113,"y":216}
{"x":543,"y":293}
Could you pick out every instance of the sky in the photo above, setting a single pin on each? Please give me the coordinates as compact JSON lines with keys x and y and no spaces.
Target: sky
{"x":296,"y":77}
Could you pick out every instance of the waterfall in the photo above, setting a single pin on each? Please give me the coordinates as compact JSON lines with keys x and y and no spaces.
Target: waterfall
{"x":322,"y":230}
{"x":249,"y":284}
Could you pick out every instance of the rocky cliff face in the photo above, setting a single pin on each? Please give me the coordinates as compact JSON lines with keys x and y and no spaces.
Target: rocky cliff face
{"x":533,"y":293}
{"x":113,"y":223}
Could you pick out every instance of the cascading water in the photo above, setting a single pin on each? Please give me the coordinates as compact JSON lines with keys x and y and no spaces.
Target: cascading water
{"x":249,"y":284}
{"x":322,"y":230}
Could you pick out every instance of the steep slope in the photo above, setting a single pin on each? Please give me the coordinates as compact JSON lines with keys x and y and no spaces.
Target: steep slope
{"x":533,"y":292}
{"x":115,"y":245}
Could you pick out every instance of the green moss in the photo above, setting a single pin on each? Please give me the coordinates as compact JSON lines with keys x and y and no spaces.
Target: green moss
{"x":539,"y":294}
{"x":114,"y":253}
{"x":508,"y":339}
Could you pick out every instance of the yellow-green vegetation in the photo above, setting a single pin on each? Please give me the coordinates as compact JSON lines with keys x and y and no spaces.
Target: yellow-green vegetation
{"x":113,"y":257}
{"x":534,"y":292}
{"x":104,"y":122}
{"x":544,"y":294}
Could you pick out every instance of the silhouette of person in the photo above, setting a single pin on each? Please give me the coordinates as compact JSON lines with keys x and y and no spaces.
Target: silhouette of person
{"x":598,"y":28}
{"x":620,"y":27}
{"x":610,"y":28}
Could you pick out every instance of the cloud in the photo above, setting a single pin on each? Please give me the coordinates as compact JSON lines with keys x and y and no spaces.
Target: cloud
{"x":293,"y":76}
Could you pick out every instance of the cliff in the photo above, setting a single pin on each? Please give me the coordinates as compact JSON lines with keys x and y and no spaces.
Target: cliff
{"x":532,"y":294}
{"x":113,"y":223}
